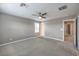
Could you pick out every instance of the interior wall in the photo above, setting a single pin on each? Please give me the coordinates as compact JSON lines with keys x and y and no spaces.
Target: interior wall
{"x":78,"y":31}
{"x":15,"y":28}
{"x":42,"y":29}
{"x":54,"y":29}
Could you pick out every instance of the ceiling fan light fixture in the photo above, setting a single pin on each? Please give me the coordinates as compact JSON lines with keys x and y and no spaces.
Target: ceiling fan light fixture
{"x":39,"y":17}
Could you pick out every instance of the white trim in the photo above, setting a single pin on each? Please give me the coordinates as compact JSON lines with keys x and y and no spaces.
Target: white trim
{"x":53,"y":38}
{"x":16,"y":41}
{"x":75,"y":32}
{"x":63,"y":30}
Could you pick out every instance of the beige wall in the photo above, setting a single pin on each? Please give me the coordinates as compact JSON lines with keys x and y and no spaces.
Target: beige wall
{"x":42,"y":27}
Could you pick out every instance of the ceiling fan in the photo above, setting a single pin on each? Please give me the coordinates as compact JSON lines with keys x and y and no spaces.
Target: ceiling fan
{"x":24,"y":5}
{"x":40,"y":15}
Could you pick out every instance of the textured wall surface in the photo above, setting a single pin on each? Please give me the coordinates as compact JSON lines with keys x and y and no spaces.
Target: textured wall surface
{"x":15,"y":28}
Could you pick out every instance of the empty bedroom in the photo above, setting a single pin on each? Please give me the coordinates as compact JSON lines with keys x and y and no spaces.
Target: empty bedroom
{"x":39,"y":29}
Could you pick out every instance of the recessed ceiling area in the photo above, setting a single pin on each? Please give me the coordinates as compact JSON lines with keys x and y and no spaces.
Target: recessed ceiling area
{"x":52,"y":10}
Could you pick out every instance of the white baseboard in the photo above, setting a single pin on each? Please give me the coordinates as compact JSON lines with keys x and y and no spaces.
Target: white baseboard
{"x":16,"y":41}
{"x":27,"y":39}
{"x":53,"y":38}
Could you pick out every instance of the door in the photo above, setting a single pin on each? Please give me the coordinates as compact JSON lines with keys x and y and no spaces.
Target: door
{"x":69,"y":31}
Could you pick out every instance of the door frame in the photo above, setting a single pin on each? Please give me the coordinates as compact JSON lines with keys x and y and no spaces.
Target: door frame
{"x":74,"y":43}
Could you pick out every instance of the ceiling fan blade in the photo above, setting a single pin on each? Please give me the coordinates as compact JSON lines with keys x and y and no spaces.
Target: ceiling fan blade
{"x":44,"y":14}
{"x":43,"y":17}
{"x":39,"y":14}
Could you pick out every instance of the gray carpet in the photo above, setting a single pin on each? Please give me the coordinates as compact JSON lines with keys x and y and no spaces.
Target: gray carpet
{"x":34,"y":47}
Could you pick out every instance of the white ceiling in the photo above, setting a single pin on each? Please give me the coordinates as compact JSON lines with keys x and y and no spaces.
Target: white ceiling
{"x":33,"y":8}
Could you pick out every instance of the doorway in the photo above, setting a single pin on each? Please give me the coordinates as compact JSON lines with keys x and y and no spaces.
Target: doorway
{"x":69,"y":32}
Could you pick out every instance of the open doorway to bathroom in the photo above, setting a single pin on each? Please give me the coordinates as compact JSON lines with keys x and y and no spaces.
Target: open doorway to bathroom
{"x":70,"y":32}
